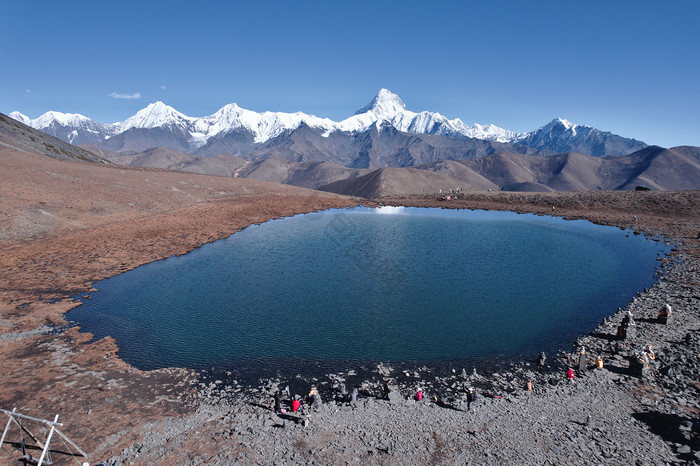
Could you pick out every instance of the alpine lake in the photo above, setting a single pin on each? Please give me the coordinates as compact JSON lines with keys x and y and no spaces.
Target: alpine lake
{"x":352,"y":287}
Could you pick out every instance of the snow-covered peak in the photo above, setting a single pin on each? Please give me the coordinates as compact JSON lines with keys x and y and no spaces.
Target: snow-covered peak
{"x":154,"y":115}
{"x":263,"y":126}
{"x":63,"y":119}
{"x":490,"y":132}
{"x":564,"y":122}
{"x":21,"y":118}
{"x":385,"y":104}
{"x":558,"y":126}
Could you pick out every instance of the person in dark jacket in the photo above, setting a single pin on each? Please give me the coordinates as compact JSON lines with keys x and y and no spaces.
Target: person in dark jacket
{"x":471,"y":397}
{"x":278,"y":400}
{"x":582,"y":360}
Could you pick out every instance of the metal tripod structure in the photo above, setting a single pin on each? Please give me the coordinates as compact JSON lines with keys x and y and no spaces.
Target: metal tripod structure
{"x":45,"y":458}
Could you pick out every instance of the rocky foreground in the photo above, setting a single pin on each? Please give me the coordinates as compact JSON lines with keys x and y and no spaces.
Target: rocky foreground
{"x":67,"y":224}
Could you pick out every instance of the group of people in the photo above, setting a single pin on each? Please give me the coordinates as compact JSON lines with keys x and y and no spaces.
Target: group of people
{"x":313,"y":401}
{"x":582,"y":365}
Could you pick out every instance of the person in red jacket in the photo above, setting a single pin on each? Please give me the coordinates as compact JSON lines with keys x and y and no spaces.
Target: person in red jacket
{"x":570,"y":375}
{"x":419,"y":395}
{"x":296,"y":404}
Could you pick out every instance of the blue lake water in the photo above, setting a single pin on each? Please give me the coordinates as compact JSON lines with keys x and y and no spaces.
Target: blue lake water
{"x":390,"y":284}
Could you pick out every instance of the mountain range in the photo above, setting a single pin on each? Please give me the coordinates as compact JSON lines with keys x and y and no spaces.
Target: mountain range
{"x":383,"y":133}
{"x":675,"y":169}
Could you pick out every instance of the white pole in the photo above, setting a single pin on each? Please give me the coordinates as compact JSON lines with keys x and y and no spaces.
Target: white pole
{"x":48,"y":440}
{"x":9,"y":421}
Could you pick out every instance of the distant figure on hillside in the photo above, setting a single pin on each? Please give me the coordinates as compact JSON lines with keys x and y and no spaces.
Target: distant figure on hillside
{"x":278,"y":401}
{"x":541,"y":359}
{"x":599,"y":362}
{"x":471,"y":397}
{"x":313,"y":392}
{"x":353,"y":396}
{"x":385,"y":389}
{"x":582,"y":360}
{"x":296,"y":404}
{"x":627,"y":327}
{"x":313,"y":398}
{"x":419,"y":394}
{"x":639,"y":362}
{"x":315,"y":401}
{"x":665,"y":314}
{"x":570,"y":375}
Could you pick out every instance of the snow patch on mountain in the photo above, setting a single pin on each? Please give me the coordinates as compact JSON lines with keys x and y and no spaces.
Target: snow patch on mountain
{"x":21,"y":118}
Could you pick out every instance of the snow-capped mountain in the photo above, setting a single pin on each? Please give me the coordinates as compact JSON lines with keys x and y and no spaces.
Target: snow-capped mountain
{"x":263,"y":126}
{"x":560,"y":135}
{"x":235,"y":130}
{"x":155,"y":115}
{"x":21,"y":118}
{"x":387,"y":107}
{"x":70,"y":127}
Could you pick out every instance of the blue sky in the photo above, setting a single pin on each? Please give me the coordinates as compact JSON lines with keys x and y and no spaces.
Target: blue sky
{"x":629,"y":67}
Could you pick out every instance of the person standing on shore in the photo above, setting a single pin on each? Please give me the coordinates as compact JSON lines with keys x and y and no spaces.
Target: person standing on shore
{"x":582,"y":360}
{"x":570,"y":375}
{"x":278,"y":401}
{"x":385,"y":389}
{"x":470,"y":398}
{"x":665,"y":314}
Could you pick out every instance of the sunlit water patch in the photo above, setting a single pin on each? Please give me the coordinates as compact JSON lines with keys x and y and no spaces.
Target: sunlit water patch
{"x":389,"y":284}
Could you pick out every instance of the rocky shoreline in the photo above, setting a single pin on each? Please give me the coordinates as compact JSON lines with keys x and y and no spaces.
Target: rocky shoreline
{"x":606,"y":416}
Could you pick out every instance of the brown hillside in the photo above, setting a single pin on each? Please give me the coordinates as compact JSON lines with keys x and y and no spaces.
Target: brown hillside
{"x":461,"y":172}
{"x":395,"y":182}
